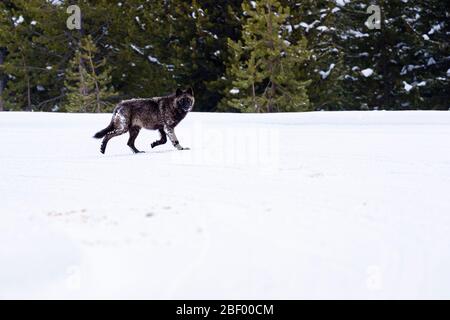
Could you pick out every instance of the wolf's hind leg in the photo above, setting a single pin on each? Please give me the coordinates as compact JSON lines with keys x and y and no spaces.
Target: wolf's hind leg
{"x":119,"y":125}
{"x":163,"y":139}
{"x":134,"y":131}
{"x":109,"y":136}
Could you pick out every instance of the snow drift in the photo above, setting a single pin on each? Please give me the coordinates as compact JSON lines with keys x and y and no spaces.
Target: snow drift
{"x":279,"y":206}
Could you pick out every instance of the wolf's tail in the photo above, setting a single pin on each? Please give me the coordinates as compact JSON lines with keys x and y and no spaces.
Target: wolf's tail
{"x":103,"y":132}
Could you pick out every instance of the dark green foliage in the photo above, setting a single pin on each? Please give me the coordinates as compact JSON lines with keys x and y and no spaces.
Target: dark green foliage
{"x":322,"y":24}
{"x":265,"y":67}
{"x":196,"y":42}
{"x":409,"y":60}
{"x":25,"y":65}
{"x":148,"y":48}
{"x":88,"y":81}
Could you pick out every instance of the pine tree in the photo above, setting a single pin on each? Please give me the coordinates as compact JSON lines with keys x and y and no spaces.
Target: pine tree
{"x":265,"y":67}
{"x":402,"y":65}
{"x":14,"y":29}
{"x":154,"y":46}
{"x":423,"y":56}
{"x":372,"y":55}
{"x":31,"y":65}
{"x":136,"y":44}
{"x":88,"y":81}
{"x":196,"y":34}
{"x":321,"y":22}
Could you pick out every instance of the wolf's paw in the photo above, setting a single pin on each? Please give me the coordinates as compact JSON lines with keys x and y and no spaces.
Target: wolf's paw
{"x":181,"y":148}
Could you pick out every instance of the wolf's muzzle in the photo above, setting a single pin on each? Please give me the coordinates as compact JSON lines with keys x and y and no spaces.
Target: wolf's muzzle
{"x":185,"y":104}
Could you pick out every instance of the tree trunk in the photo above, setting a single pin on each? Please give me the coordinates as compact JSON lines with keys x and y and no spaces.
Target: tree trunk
{"x":2,"y":79}
{"x":97,"y":88}
{"x":29,"y":108}
{"x":271,"y":63}
{"x":272,"y":95}
{"x":254,"y":97}
{"x":27,"y":78}
{"x":386,"y":100}
{"x":82,"y":84}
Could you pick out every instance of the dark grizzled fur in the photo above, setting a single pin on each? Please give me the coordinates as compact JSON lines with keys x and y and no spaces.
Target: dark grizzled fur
{"x":160,"y":113}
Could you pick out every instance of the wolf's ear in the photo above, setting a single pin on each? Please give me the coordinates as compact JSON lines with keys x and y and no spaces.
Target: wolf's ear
{"x":179,"y":92}
{"x":190,"y":91}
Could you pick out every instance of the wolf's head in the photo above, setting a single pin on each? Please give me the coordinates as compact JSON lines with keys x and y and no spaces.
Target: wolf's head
{"x":184,"y":99}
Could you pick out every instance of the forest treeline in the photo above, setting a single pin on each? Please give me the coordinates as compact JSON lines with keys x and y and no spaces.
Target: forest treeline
{"x":239,"y":56}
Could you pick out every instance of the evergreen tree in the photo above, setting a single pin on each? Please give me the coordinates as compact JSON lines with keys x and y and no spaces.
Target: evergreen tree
{"x":423,"y":56}
{"x":136,"y":45}
{"x":402,"y":65}
{"x":371,"y":55}
{"x":196,"y":44}
{"x":31,"y":65}
{"x":265,"y":66}
{"x":88,"y":81}
{"x":154,"y":46}
{"x":15,"y":33}
{"x":321,"y":22}
{"x":2,"y":77}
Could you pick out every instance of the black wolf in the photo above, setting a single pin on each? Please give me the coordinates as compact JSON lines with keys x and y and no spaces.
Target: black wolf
{"x":159,"y":113}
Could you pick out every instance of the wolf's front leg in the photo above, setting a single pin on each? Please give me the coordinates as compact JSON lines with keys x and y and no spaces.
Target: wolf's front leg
{"x":173,"y":138}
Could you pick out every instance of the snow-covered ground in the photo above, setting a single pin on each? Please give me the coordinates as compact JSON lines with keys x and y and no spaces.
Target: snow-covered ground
{"x":279,"y":206}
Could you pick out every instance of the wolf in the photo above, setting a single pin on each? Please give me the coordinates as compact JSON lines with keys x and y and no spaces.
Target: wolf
{"x":158,"y":113}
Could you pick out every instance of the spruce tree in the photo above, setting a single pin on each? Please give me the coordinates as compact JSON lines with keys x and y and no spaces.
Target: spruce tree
{"x":154,"y":46}
{"x":321,"y":22}
{"x":88,"y":81}
{"x":32,"y":63}
{"x":403,"y":64}
{"x":136,"y":45}
{"x":196,"y":34}
{"x":265,"y":67}
{"x":15,"y":35}
{"x":423,"y":56}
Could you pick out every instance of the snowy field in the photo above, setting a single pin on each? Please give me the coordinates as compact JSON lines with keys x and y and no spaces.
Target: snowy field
{"x":279,"y":206}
